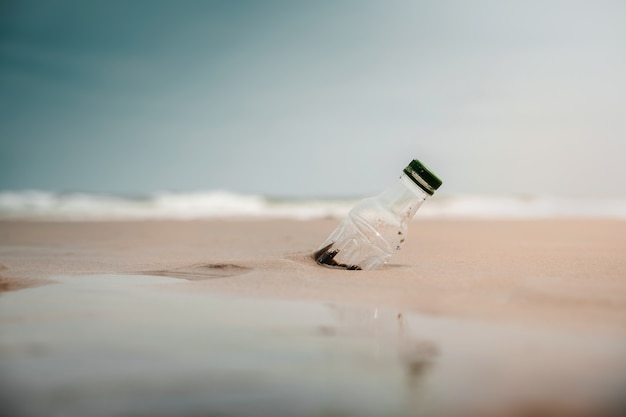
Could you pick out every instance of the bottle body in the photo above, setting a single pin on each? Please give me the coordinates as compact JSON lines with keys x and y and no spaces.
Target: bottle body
{"x":374,"y":229}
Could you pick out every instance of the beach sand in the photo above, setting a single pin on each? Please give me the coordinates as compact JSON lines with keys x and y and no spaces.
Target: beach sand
{"x":566,"y":272}
{"x":563,"y":276}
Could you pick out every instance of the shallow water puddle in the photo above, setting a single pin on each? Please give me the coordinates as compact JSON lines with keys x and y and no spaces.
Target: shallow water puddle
{"x":120,"y":345}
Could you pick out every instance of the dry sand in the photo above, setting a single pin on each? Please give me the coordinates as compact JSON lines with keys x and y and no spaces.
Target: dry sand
{"x":561,"y":272}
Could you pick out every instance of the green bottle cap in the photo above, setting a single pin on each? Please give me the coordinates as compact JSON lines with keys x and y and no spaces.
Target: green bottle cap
{"x":422,"y":176}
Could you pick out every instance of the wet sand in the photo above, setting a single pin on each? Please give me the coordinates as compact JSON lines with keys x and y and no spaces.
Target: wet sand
{"x":551,"y":277}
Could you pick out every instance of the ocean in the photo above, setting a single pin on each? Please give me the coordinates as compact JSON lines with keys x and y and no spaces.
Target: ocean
{"x":43,"y":205}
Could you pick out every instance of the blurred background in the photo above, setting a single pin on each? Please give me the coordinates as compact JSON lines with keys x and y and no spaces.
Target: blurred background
{"x":313,"y":99}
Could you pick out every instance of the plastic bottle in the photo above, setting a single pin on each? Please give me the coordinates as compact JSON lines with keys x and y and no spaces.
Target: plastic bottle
{"x":376,"y":227}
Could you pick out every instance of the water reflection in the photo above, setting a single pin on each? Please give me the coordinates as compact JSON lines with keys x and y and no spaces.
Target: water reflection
{"x":126,"y":345}
{"x":388,"y":332}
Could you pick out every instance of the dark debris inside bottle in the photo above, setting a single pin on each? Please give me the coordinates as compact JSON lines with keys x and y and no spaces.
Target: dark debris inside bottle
{"x":326,"y":257}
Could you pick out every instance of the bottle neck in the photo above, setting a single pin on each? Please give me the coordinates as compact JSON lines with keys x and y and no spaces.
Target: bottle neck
{"x":404,"y":197}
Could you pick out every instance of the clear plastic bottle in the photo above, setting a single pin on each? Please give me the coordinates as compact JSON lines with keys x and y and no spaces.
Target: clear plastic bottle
{"x":376,"y":227}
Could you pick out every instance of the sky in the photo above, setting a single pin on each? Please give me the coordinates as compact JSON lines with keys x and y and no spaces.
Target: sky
{"x":316,"y":98}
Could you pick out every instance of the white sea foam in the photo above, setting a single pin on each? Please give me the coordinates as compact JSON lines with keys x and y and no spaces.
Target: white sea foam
{"x":165,"y":205}
{"x":522,"y":207}
{"x":38,"y":205}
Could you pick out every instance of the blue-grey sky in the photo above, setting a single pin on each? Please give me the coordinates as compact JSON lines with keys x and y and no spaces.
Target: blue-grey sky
{"x":317,"y":98}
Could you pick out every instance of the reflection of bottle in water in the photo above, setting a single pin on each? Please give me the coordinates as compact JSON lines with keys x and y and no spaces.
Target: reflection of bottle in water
{"x":376,"y":227}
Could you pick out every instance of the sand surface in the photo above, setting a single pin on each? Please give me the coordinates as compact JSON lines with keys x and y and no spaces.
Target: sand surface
{"x":561,"y":272}
{"x":564,"y":279}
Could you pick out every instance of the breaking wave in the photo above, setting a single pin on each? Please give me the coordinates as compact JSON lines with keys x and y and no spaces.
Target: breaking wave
{"x":40,"y":205}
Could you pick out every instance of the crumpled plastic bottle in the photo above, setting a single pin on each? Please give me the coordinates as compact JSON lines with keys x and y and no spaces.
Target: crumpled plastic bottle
{"x":376,"y":227}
